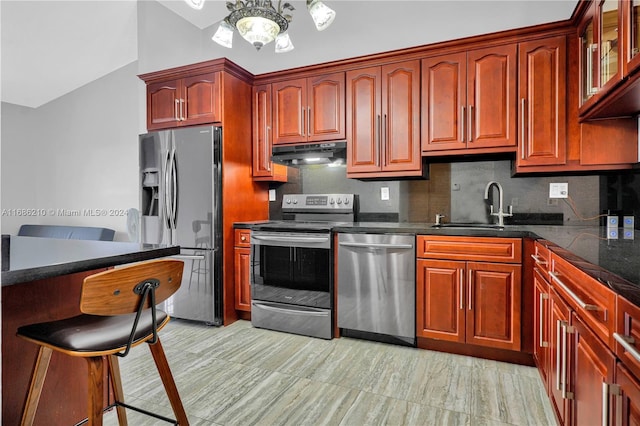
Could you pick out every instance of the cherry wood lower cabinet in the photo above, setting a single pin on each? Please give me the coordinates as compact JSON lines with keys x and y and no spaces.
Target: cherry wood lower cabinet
{"x":242,"y":270}
{"x":627,"y":408}
{"x":471,"y":302}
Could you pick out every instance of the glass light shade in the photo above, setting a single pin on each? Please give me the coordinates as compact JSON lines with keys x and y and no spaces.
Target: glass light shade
{"x":224,"y":35}
{"x":257,"y":30}
{"x":283,"y":43}
{"x":322,"y":14}
{"x":196,"y":4}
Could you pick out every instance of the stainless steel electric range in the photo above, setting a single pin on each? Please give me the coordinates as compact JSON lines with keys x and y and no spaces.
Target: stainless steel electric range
{"x":292,"y":264}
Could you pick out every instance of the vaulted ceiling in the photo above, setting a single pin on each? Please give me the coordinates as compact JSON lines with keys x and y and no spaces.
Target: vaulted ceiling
{"x":50,"y":47}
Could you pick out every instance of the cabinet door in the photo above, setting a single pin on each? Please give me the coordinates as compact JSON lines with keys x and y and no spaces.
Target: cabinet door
{"x":242,"y":257}
{"x":559,"y":346}
{"x":631,"y":28}
{"x":290,"y":111}
{"x":594,"y":366}
{"x":543,"y":104}
{"x":628,"y":405}
{"x":440,"y":301}
{"x":401,"y":117}
{"x":202,"y":101}
{"x":444,"y":102}
{"x":363,"y":120}
{"x":541,"y":325}
{"x":326,"y":109}
{"x":263,"y":167}
{"x":491,"y":95}
{"x":163,"y":104}
{"x":493,"y":305}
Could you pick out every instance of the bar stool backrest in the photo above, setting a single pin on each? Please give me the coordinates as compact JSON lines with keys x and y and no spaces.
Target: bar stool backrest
{"x":121,"y":290}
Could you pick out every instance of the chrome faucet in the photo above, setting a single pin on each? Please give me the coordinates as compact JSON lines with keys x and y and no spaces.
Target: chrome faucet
{"x":501,"y":214}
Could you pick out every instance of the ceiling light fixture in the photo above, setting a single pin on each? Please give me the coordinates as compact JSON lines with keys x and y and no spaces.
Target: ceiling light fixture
{"x":196,"y":4}
{"x":260,"y":23}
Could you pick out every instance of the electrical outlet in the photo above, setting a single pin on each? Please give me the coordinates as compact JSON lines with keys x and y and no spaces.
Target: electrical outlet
{"x":384,"y":193}
{"x":558,"y":190}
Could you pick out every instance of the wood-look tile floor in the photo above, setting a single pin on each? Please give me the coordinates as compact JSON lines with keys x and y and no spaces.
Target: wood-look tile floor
{"x":240,"y":375}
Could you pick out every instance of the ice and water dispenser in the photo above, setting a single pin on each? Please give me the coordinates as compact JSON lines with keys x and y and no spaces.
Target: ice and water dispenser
{"x":150,"y":193}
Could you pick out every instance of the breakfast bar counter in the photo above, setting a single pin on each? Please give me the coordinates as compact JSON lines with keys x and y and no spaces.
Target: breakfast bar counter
{"x":43,"y":283}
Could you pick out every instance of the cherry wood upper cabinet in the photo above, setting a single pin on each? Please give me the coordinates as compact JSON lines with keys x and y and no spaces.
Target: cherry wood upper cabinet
{"x":383,"y":121}
{"x":194,"y":99}
{"x":309,"y":109}
{"x":469,"y":99}
{"x":491,"y":95}
{"x":543,"y":105}
{"x":631,"y":35}
{"x":263,"y":167}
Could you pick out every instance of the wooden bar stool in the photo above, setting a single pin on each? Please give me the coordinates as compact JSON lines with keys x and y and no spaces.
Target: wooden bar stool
{"x":118,"y":312}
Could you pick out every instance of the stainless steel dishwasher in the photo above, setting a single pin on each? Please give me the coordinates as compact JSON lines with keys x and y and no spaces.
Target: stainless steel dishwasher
{"x":376,"y":286}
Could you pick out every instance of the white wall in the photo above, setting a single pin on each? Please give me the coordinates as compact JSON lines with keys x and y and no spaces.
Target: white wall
{"x":77,"y":152}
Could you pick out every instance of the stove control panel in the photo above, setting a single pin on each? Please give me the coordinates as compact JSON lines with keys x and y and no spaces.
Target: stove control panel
{"x":317,"y":202}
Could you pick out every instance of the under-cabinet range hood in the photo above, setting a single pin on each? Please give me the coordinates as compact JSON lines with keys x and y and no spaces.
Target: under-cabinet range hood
{"x":310,"y":153}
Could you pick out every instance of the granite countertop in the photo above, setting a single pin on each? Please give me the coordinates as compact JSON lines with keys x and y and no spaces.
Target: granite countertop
{"x":615,"y":262}
{"x":34,"y":258}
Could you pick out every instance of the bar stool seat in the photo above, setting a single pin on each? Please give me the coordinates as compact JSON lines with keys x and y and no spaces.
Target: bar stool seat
{"x":118,"y":312}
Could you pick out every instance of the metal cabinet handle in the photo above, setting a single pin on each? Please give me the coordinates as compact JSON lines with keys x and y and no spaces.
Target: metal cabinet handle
{"x":176,"y":115}
{"x":522,"y":127}
{"x":461,"y":280}
{"x":583,"y":305}
{"x":267,"y":146}
{"x":470,"y":289}
{"x":605,"y":404}
{"x":303,"y":114}
{"x":379,"y":141}
{"x":470,"y":124}
{"x":539,"y":260}
{"x":566,"y":330}
{"x":309,"y":121}
{"x":462,"y":129}
{"x":183,"y":111}
{"x":627,"y":342}
{"x":543,"y":297}
{"x":558,"y":354}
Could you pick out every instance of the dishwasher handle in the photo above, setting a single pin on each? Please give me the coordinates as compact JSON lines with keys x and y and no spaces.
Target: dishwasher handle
{"x":377,"y":245}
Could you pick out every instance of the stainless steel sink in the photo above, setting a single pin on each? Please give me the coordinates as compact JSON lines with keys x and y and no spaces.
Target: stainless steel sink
{"x":483,"y":226}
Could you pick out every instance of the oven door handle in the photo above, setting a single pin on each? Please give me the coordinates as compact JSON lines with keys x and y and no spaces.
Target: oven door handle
{"x":377,"y":245}
{"x":291,"y":239}
{"x":307,"y":311}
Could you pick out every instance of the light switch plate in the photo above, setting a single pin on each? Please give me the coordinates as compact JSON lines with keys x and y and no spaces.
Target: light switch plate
{"x":384,"y":193}
{"x":272,"y":195}
{"x":558,"y":190}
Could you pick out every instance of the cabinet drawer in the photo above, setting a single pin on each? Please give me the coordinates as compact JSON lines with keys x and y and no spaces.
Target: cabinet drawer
{"x":541,"y":259}
{"x":487,"y":249}
{"x":243,"y":238}
{"x":594,"y":303}
{"x":627,"y":335}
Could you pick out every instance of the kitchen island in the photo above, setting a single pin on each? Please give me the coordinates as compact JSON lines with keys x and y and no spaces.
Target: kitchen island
{"x":42,"y":283}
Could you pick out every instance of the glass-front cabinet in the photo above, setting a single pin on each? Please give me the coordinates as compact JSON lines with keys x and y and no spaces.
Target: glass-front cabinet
{"x":631,"y":13}
{"x":608,"y":41}
{"x":600,"y":48}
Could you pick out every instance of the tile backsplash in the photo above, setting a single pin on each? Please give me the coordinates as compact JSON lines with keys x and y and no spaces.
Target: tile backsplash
{"x":457,"y":190}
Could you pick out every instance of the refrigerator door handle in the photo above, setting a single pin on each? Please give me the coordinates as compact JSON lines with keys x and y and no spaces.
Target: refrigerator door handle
{"x":174,"y":188}
{"x":166,"y":207}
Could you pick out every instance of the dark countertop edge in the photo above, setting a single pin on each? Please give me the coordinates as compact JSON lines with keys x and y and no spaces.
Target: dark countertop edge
{"x":42,"y":272}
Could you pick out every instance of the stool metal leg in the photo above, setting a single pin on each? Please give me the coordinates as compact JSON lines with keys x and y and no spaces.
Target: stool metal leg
{"x":116,"y":382}
{"x":169,"y":384}
{"x":96,"y":390}
{"x":35,"y":388}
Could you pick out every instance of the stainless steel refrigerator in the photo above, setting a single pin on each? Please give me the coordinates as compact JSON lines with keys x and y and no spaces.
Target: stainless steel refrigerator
{"x":180,"y":200}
